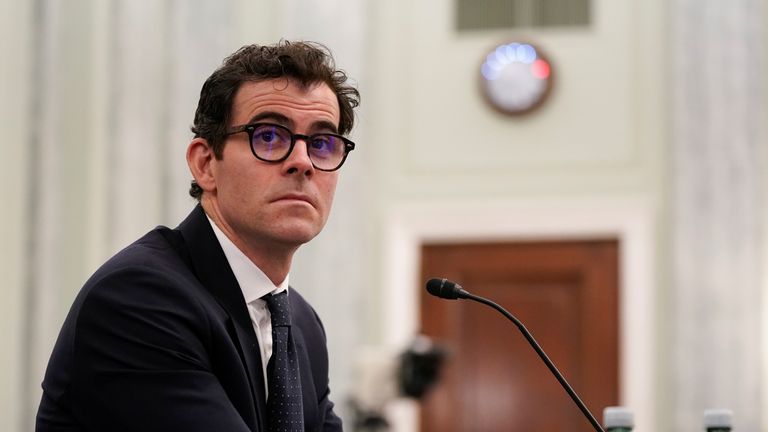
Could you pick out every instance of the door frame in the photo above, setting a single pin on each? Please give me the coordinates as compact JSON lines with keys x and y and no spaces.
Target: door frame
{"x":629,"y":220}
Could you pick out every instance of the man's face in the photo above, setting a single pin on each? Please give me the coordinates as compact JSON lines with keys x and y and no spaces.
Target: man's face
{"x":281,"y":204}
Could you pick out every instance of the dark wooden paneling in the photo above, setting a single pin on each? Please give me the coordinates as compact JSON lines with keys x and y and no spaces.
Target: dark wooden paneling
{"x":566,"y":294}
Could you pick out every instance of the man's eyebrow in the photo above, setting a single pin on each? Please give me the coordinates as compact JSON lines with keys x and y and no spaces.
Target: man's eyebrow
{"x":325,"y":125}
{"x":284,"y":120}
{"x":271,"y":115}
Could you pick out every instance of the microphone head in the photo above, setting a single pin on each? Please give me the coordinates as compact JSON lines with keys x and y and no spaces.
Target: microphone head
{"x":444,"y":288}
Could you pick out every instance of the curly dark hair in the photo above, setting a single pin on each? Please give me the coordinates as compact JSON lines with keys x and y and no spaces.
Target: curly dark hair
{"x":306,"y":63}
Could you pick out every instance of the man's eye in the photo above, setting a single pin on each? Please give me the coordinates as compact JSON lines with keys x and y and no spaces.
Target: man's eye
{"x":320,"y":143}
{"x":267,"y":136}
{"x":324,"y":144}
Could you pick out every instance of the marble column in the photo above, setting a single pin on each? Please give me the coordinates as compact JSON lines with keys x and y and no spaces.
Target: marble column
{"x":335,"y":271}
{"x":114,"y":90}
{"x":717,"y":211}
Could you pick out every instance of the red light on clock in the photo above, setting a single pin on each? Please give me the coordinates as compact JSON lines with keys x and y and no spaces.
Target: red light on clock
{"x":540,"y":69}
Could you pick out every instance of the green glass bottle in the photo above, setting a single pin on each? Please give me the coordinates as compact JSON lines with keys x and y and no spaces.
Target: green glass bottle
{"x":618,"y":419}
{"x":718,"y":420}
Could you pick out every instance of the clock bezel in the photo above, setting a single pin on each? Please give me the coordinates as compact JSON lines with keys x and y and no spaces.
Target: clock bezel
{"x":540,"y":101}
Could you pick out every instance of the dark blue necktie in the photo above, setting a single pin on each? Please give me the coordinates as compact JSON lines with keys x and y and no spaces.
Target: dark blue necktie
{"x":284,"y":408}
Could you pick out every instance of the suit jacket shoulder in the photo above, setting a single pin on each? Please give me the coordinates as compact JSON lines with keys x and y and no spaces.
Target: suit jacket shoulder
{"x":159,"y":338}
{"x":146,"y":346}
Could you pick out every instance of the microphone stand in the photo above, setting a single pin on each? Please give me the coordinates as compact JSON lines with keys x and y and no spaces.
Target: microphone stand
{"x":541,"y":354}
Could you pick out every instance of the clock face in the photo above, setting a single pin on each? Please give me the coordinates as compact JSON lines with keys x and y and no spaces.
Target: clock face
{"x":516,"y":78}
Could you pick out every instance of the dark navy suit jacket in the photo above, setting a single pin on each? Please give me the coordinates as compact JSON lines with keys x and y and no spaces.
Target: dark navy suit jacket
{"x":159,"y":339}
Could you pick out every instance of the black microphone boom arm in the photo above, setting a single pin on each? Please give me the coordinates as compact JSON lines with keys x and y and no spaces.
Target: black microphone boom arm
{"x":446,"y":289}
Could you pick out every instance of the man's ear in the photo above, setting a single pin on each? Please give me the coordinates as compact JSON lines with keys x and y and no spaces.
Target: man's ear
{"x":199,"y":158}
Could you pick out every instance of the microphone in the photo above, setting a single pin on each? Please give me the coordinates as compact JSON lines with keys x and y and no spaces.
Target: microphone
{"x":449,"y":290}
{"x":446,"y":289}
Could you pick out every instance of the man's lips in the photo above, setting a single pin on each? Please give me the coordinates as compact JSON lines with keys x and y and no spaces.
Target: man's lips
{"x":295,"y":197}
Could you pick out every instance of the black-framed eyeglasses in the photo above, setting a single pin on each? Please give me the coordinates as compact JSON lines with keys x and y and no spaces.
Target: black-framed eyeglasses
{"x":274,"y":143}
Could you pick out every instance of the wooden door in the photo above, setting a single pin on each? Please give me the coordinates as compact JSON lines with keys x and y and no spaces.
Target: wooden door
{"x":566,"y":295}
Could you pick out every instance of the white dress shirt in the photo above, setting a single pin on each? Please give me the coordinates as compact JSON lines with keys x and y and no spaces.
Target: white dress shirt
{"x":254,"y":284}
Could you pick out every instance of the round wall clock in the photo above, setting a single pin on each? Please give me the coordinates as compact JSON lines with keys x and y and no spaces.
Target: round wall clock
{"x":516,"y":78}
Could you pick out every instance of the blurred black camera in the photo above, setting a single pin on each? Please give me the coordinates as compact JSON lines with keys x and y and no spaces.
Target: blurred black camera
{"x":420,"y":366}
{"x":383,"y":376}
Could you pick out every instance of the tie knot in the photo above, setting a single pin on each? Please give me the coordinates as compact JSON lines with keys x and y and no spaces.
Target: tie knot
{"x":279,"y":309}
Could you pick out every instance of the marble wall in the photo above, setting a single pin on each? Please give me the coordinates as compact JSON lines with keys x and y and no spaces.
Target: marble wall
{"x":99,"y":102}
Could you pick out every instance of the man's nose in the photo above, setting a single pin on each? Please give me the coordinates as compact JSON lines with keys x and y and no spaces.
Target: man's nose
{"x":298,"y":161}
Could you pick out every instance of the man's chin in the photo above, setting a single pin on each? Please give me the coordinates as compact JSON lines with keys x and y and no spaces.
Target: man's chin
{"x":297,"y":235}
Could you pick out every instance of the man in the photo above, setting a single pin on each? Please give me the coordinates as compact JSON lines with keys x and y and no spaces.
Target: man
{"x":189,"y":329}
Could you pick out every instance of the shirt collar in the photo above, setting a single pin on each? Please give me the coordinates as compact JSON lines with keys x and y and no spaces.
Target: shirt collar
{"x":253,"y":282}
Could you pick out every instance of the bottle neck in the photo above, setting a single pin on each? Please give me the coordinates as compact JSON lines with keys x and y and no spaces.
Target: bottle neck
{"x":718,"y":429}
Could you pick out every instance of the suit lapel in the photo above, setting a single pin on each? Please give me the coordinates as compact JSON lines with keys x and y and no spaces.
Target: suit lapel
{"x":214,"y":273}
